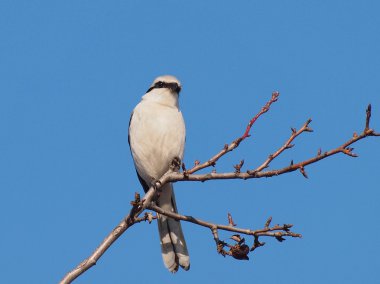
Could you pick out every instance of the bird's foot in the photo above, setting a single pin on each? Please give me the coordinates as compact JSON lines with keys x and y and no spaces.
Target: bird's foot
{"x":156,"y":184}
{"x":175,"y":164}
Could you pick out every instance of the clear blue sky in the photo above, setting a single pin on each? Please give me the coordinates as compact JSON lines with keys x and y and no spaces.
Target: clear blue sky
{"x":71,"y":73}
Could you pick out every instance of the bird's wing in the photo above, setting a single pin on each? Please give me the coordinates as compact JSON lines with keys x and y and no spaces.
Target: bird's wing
{"x":142,"y":181}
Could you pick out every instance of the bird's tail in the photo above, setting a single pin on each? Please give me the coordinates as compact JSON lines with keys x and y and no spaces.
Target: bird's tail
{"x":173,"y":245}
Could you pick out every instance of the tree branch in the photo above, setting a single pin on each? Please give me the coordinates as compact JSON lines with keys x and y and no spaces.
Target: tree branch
{"x":234,"y":144}
{"x":259,"y":171}
{"x":239,"y":250}
{"x":124,"y":225}
{"x":277,"y":231}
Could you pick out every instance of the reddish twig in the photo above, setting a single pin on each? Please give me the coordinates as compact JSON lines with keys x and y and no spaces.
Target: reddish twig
{"x":234,"y":144}
{"x":260,"y":173}
{"x":238,"y":250}
{"x":230,"y":220}
{"x":287,"y":145}
{"x":263,"y":110}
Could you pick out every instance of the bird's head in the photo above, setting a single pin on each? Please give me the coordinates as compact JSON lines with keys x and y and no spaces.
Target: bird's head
{"x":166,"y":82}
{"x":164,"y":90}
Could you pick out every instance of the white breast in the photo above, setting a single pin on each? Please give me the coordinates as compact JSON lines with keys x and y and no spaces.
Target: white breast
{"x":157,"y":136}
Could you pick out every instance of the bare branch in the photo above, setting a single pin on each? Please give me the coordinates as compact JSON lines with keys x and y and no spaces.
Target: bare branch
{"x":86,"y":264}
{"x":263,"y":110}
{"x":262,"y":232}
{"x":234,"y":144}
{"x":138,"y":206}
{"x":259,"y":173}
{"x":238,"y":250}
{"x":287,"y":145}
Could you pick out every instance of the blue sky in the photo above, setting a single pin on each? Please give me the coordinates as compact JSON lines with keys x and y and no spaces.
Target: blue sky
{"x":71,"y":73}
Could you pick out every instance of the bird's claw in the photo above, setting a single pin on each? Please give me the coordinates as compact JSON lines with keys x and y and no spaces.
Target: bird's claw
{"x":175,"y":164}
{"x":155,"y":183}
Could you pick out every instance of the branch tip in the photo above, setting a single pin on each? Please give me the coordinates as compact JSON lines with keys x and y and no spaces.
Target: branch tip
{"x":368,"y":117}
{"x":289,"y":146}
{"x":308,"y":129}
{"x":230,"y":220}
{"x":267,"y":223}
{"x":238,"y":167}
{"x":303,"y":172}
{"x":238,"y":250}
{"x":348,"y":151}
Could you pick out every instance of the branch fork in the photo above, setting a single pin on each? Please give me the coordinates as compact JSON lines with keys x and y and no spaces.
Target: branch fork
{"x":239,"y":249}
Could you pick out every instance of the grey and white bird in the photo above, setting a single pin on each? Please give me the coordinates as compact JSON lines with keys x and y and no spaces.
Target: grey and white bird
{"x":157,"y":136}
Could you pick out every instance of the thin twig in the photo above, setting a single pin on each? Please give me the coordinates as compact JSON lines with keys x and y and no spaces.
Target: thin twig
{"x":287,"y":145}
{"x":277,"y":231}
{"x":234,"y":144}
{"x":268,"y":231}
{"x":260,"y":173}
{"x":263,"y":110}
{"x":239,"y":250}
{"x":138,"y":206}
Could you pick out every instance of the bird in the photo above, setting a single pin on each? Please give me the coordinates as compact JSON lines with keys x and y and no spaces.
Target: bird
{"x":156,"y":137}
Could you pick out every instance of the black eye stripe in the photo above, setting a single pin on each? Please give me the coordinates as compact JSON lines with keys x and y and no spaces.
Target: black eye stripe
{"x":161,"y":85}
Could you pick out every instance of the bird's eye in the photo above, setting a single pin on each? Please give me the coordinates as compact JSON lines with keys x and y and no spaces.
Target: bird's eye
{"x":160,"y":84}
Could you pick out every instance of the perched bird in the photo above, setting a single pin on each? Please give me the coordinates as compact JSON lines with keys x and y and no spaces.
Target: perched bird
{"x":156,"y":137}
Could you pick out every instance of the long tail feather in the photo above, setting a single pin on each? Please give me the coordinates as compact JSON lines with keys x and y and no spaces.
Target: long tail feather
{"x":173,"y":244}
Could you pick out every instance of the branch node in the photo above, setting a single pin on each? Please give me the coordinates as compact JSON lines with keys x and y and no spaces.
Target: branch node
{"x":267,"y":223}
{"x":184,"y":171}
{"x":279,"y":237}
{"x":289,"y":146}
{"x":238,"y":167}
{"x":240,"y":250}
{"x":348,"y":151}
{"x":137,"y":201}
{"x":287,"y":227}
{"x":308,"y":129}
{"x":256,"y":243}
{"x":230,"y":220}
{"x":303,"y":172}
{"x":368,"y":117}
